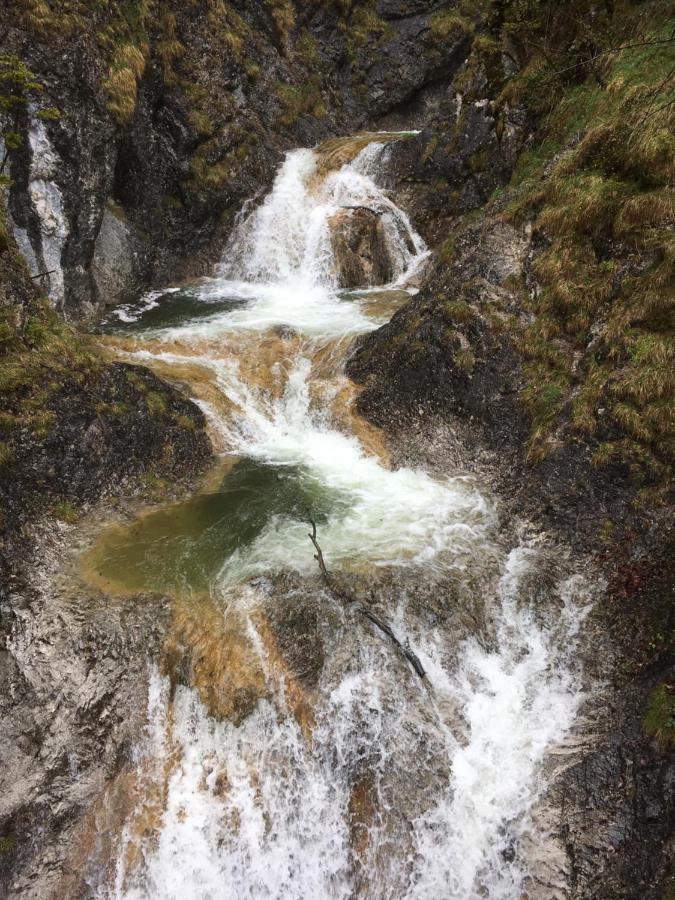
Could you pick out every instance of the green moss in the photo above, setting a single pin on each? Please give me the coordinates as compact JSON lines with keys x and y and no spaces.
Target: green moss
{"x":307,"y":49}
{"x":478,"y":162}
{"x":430,"y":149}
{"x":659,"y":719}
{"x":201,"y":123}
{"x":448,"y":24}
{"x":7,"y":455}
{"x":363,"y":24}
{"x":448,"y":249}
{"x":7,"y":843}
{"x":300,"y":100}
{"x":116,"y":410}
{"x":252,"y":70}
{"x":185,"y":422}
{"x":156,"y":487}
{"x":465,"y":360}
{"x":156,"y":403}
{"x":66,"y":512}
{"x":8,"y":423}
{"x":135,"y":379}
{"x":530,"y":164}
{"x":458,"y":311}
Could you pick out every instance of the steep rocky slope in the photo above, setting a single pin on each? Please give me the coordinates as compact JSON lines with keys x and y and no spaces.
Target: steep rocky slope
{"x":73,"y":428}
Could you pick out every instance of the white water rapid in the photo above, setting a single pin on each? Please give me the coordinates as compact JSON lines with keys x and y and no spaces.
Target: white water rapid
{"x":340,"y":773}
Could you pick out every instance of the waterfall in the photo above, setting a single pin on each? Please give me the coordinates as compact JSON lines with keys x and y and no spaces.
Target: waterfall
{"x":335,"y":772}
{"x":287,"y":239}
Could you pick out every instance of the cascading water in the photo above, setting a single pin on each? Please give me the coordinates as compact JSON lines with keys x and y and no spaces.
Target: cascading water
{"x":302,"y":757}
{"x":288,"y":238}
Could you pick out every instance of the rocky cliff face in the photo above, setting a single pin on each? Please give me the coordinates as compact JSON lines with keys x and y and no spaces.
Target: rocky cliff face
{"x":172,"y":116}
{"x":73,"y":428}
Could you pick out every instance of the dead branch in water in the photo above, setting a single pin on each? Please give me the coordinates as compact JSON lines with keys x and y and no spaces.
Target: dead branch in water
{"x":375,"y":212}
{"x":405,"y":650}
{"x":318,"y":556}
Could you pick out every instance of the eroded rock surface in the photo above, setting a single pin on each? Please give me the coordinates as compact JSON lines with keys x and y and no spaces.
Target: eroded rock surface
{"x":75,"y":685}
{"x":360,"y":247}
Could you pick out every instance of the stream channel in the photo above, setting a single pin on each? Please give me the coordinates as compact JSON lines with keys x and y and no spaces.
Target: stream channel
{"x":291,"y":751}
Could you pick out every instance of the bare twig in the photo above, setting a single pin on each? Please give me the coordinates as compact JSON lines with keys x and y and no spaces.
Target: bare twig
{"x":43,"y":274}
{"x":587,"y":62}
{"x":369,"y":209}
{"x":318,"y":556}
{"x":405,"y":650}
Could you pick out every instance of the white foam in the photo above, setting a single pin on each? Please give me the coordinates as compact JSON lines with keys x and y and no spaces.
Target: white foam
{"x":132,"y":312}
{"x":518,"y":698}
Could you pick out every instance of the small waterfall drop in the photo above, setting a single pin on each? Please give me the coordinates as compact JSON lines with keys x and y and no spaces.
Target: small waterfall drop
{"x":288,"y":237}
{"x":300,"y":755}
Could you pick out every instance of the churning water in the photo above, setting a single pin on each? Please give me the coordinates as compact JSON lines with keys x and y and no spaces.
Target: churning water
{"x":335,"y":772}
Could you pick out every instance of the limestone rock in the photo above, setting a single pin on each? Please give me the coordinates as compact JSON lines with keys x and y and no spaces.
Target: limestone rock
{"x":359,"y":242}
{"x":114,"y":266}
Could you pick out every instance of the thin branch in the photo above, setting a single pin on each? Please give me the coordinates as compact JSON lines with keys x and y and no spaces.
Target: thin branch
{"x":659,"y":108}
{"x":587,"y":62}
{"x":44,"y":274}
{"x":405,"y":650}
{"x":366,"y":208}
{"x":318,"y":556}
{"x":646,"y":118}
{"x":654,"y":95}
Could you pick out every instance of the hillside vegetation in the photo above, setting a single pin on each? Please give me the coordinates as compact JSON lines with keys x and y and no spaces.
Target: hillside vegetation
{"x":598,"y":188}
{"x":595,"y":185}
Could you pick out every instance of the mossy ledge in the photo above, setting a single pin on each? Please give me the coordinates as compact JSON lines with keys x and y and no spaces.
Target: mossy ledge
{"x":74,"y":425}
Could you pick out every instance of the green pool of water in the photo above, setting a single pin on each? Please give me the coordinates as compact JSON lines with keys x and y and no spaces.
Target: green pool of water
{"x":181,"y":548}
{"x":172,"y":309}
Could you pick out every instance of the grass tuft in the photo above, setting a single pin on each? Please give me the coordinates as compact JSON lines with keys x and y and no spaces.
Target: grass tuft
{"x":659,"y":720}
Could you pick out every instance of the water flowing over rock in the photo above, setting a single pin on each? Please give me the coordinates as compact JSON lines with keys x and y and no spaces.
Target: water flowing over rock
{"x":181,"y":168}
{"x":408,"y":638}
{"x":327,"y":227}
{"x":266,"y":691}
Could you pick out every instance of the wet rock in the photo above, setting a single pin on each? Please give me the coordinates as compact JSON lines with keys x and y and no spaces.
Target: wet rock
{"x":123,"y":422}
{"x":114,"y":265}
{"x":75,"y":684}
{"x":216,"y":657}
{"x":181,"y":174}
{"x":298,"y":626}
{"x":360,"y":248}
{"x":441,"y":353}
